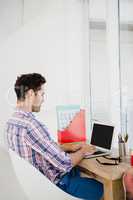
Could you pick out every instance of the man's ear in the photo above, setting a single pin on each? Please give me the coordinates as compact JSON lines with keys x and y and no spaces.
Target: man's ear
{"x":30,"y":93}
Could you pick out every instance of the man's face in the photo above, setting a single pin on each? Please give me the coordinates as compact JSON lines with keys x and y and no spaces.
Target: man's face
{"x":38,"y":100}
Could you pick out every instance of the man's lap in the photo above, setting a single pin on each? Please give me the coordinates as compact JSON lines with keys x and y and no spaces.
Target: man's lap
{"x":81,"y":187}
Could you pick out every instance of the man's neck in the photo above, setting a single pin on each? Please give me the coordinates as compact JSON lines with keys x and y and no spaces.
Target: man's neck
{"x":22,"y":105}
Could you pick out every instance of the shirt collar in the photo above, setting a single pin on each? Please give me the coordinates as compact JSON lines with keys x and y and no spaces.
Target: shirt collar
{"x":26,"y":113}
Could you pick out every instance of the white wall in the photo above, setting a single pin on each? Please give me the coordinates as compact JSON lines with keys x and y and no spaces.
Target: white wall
{"x":10,"y":17}
{"x":52,"y":44}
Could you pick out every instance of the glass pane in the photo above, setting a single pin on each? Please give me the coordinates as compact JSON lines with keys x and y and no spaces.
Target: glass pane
{"x":98,"y":60}
{"x":126,"y":61}
{"x":104,"y":61}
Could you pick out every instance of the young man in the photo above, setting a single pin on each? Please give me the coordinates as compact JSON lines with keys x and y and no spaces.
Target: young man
{"x":31,"y":140}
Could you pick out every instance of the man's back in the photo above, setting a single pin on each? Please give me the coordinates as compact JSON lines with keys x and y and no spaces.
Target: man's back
{"x":31,"y":140}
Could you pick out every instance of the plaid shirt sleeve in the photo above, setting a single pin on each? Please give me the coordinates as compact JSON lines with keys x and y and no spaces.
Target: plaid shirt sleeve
{"x":37,"y":139}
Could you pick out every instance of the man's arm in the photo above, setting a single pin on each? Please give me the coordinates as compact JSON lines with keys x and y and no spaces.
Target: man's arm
{"x":71,"y":147}
{"x":79,"y":150}
{"x":80,"y":154}
{"x":52,"y":152}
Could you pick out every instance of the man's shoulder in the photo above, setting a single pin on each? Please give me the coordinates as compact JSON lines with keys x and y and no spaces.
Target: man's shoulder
{"x":26,"y":120}
{"x":18,"y":119}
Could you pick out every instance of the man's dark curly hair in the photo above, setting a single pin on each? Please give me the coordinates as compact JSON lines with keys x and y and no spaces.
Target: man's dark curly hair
{"x":26,"y":82}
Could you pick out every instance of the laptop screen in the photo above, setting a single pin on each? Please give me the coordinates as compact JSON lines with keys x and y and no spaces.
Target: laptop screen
{"x":102,"y":135}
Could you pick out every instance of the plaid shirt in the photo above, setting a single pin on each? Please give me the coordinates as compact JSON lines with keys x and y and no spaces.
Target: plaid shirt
{"x":31,"y":140}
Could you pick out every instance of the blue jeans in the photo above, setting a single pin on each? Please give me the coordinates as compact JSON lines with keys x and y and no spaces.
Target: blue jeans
{"x":81,"y":187}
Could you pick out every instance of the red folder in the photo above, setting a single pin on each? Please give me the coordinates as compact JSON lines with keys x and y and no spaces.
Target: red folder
{"x":75,"y":132}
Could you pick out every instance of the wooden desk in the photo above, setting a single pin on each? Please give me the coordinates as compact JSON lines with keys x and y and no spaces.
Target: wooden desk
{"x":110,"y":176}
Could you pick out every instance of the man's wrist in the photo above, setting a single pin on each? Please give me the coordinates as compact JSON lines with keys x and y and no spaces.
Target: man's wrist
{"x":82,"y":152}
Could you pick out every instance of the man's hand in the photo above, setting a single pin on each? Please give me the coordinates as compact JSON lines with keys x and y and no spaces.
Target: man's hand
{"x":77,"y":151}
{"x":77,"y":156}
{"x":88,"y":149}
{"x":73,"y":147}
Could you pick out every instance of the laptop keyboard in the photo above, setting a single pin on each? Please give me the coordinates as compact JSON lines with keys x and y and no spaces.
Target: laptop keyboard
{"x":96,"y":153}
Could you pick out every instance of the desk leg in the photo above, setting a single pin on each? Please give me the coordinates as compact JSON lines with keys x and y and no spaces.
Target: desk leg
{"x":113,"y":190}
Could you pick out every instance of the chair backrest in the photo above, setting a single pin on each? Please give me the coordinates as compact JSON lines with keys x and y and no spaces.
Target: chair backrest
{"x":36,"y":185}
{"x":10,"y":189}
{"x":128,"y":184}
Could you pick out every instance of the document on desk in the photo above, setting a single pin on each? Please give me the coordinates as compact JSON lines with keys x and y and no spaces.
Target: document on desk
{"x":71,"y":124}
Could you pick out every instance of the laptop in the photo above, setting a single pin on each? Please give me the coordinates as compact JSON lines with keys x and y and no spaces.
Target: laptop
{"x":101,"y":138}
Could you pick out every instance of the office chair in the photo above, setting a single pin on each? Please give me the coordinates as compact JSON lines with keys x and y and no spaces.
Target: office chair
{"x":10,"y":188}
{"x":128,"y":184}
{"x":34,"y":183}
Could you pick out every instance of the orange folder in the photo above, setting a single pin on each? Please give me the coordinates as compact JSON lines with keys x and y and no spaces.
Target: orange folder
{"x":76,"y":131}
